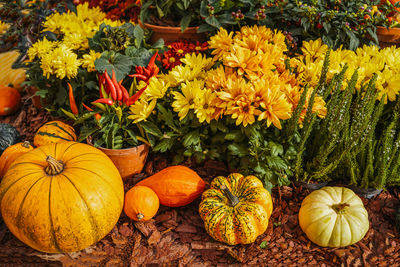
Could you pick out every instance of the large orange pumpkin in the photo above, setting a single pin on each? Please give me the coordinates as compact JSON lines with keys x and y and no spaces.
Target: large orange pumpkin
{"x":175,"y":186}
{"x":10,"y":76}
{"x":141,"y":203}
{"x":61,"y":197}
{"x":10,"y":100}
{"x":11,"y":154}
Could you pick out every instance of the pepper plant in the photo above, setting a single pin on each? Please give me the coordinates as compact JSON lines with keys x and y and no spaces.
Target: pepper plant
{"x":107,"y":121}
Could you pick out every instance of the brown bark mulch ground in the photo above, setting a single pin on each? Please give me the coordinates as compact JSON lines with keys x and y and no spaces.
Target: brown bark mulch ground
{"x":176,"y":236}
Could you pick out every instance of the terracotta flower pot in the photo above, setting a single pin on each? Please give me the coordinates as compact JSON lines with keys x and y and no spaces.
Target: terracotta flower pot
{"x":388,"y":37}
{"x":171,"y":34}
{"x":128,"y":161}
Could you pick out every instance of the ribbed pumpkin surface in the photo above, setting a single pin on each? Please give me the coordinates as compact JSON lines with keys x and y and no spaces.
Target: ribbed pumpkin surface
{"x":333,"y":216}
{"x":64,"y":212}
{"x":239,"y":223}
{"x":10,"y":76}
{"x":11,"y":154}
{"x":54,"y":132}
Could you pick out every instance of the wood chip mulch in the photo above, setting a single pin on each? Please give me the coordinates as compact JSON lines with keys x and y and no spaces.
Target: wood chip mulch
{"x":176,"y":236}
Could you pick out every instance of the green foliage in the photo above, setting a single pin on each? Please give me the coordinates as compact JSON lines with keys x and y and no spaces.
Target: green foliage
{"x":183,"y":13}
{"x":358,"y":140}
{"x":347,"y":23}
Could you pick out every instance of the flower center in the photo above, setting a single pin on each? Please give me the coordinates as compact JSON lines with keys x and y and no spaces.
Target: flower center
{"x":180,"y":51}
{"x":171,"y":60}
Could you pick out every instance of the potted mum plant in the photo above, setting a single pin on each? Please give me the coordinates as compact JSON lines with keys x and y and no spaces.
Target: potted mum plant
{"x":113,"y":122}
{"x":172,"y":20}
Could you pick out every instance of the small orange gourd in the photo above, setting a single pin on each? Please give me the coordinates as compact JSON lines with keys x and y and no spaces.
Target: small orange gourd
{"x":11,"y":154}
{"x":175,"y":186}
{"x":10,"y":100}
{"x":141,"y":203}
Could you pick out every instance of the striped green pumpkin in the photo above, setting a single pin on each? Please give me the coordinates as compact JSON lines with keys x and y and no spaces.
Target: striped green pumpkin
{"x":54,"y":132}
{"x":236,"y":209}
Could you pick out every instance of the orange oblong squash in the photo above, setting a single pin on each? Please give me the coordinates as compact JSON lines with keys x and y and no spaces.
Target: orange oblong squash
{"x":175,"y":186}
{"x":11,"y":154}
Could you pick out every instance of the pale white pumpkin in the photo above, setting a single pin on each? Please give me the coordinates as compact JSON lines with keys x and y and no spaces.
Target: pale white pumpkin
{"x":333,"y":217}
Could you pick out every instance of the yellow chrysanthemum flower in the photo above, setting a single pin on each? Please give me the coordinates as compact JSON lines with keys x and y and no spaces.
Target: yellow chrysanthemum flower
{"x":141,"y":110}
{"x":54,"y":23}
{"x":245,"y":60}
{"x":182,"y":73}
{"x":91,"y":14}
{"x":276,"y":107}
{"x":89,"y":59}
{"x":112,"y":23}
{"x":314,"y":49}
{"x":65,"y":62}
{"x":197,"y":61}
{"x":41,"y":48}
{"x":191,"y":92}
{"x":156,"y":89}
{"x":221,"y":43}
{"x":203,"y":107}
{"x":388,"y":84}
{"x":3,"y":27}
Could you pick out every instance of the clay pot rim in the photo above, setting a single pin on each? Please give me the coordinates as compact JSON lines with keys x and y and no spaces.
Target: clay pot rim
{"x":387,"y":31}
{"x":118,"y":151}
{"x":169,"y":29}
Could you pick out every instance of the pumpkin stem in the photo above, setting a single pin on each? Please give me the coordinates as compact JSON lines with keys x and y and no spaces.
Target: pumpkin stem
{"x":233,"y":199}
{"x":26,"y":144}
{"x":139,"y":216}
{"x":340,"y":208}
{"x":55,"y":167}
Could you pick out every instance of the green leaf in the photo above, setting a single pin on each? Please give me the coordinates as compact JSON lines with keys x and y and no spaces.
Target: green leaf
{"x":41,"y":93}
{"x":239,"y":150}
{"x":264,"y":245}
{"x":151,"y":128}
{"x":139,"y":35}
{"x":185,"y":21}
{"x":211,"y":20}
{"x":191,"y":138}
{"x":203,"y":8}
{"x":164,"y":145}
{"x":139,"y":56}
{"x":118,"y":111}
{"x":234,"y":135}
{"x":121,"y":65}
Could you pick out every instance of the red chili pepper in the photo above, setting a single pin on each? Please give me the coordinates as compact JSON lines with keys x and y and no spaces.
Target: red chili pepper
{"x":117,"y":88}
{"x":110,"y":86}
{"x":72,"y":102}
{"x":104,"y":101}
{"x":152,"y":60}
{"x":139,"y":77}
{"x":88,"y":108}
{"x":97,"y":116}
{"x":125,"y":94}
{"x":135,"y":97}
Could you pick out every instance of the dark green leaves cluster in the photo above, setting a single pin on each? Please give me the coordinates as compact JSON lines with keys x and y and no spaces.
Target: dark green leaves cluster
{"x":183,"y":13}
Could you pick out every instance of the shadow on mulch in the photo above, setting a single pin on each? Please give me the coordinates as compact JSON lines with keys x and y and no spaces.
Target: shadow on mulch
{"x":176,"y":236}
